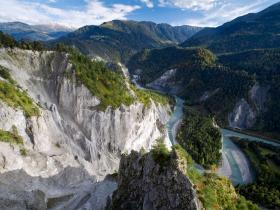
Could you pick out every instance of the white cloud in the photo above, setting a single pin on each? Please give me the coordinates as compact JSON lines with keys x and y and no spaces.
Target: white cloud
{"x":224,"y":13}
{"x":190,"y":4}
{"x":94,"y":13}
{"x":148,"y":3}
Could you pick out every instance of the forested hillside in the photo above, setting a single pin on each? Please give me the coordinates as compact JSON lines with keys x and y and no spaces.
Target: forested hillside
{"x":198,"y":76}
{"x":252,"y":31}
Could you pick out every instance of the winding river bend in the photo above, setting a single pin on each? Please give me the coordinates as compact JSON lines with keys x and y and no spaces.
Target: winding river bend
{"x":234,"y":164}
{"x":175,"y":120}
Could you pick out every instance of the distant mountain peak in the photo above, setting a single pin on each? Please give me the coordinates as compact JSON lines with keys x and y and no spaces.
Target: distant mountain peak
{"x":24,"y":31}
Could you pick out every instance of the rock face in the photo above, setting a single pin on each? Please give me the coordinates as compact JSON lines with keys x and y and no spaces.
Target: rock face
{"x":145,"y":184}
{"x":245,"y":112}
{"x":70,"y":132}
{"x":243,"y":116}
{"x":166,"y":82}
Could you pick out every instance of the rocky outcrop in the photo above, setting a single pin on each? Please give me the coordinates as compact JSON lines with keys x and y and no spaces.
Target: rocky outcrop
{"x":166,"y":82}
{"x":70,"y":131}
{"x":258,"y":95}
{"x":243,"y":116}
{"x":245,"y":112}
{"x":145,"y":184}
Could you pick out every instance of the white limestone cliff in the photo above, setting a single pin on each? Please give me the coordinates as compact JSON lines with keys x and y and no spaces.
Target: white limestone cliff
{"x":69,"y":133}
{"x":245,"y":112}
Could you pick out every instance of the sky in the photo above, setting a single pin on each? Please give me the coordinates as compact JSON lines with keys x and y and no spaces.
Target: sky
{"x":77,"y":13}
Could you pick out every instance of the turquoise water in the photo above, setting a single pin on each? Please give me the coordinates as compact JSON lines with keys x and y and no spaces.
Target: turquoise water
{"x":234,"y":165}
{"x":175,"y":119}
{"x":229,"y":133}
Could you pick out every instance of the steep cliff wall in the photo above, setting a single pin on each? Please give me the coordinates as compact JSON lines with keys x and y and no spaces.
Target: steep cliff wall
{"x":245,"y":112}
{"x":70,"y":131}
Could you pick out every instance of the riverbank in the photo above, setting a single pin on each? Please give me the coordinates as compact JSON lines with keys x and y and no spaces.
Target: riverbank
{"x":235,"y":165}
{"x":249,"y":137}
{"x":253,"y":134}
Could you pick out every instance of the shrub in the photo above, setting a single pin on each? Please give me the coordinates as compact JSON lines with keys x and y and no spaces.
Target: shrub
{"x":4,"y":73}
{"x":16,"y":98}
{"x":11,"y":137}
{"x":160,"y":153}
{"x":23,"y":151}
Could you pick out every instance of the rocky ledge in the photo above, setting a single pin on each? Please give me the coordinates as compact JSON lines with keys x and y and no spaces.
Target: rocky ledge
{"x":146,"y":182}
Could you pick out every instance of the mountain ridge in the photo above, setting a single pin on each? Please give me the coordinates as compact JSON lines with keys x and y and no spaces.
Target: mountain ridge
{"x":251,"y":31}
{"x":117,"y":40}
{"x":23,"y":31}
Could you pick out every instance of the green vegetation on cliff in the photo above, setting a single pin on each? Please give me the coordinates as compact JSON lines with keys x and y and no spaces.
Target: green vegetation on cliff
{"x":14,"y":96}
{"x":11,"y":137}
{"x":108,"y":86}
{"x":265,"y":160}
{"x":214,"y":192}
{"x":4,"y":73}
{"x":160,"y":153}
{"x":145,"y":96}
{"x":200,"y":138}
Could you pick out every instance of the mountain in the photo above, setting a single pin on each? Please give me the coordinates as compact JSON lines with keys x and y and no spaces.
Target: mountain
{"x":252,"y":31}
{"x":23,"y":31}
{"x":117,"y":40}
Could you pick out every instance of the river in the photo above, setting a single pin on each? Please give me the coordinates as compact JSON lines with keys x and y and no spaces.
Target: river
{"x":175,"y":120}
{"x":234,"y":164}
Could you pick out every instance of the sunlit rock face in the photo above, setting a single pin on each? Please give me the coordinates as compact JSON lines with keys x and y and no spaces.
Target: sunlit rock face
{"x":245,"y":112}
{"x":70,"y":132}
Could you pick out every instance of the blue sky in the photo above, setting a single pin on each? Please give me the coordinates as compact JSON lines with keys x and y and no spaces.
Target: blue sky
{"x":76,"y":13}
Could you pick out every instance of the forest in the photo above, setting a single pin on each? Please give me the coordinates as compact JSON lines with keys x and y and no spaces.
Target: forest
{"x":200,"y":138}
